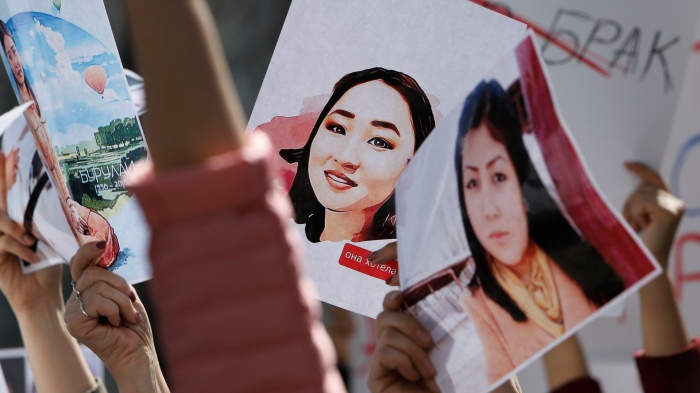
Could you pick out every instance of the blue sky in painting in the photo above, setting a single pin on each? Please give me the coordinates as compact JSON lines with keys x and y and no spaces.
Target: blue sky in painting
{"x":55,"y":55}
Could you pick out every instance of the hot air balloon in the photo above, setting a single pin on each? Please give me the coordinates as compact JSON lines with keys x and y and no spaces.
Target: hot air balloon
{"x":57,"y":4}
{"x":96,"y":78}
{"x":43,"y":77}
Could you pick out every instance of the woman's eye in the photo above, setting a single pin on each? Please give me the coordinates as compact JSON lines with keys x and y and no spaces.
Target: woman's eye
{"x":380,"y":143}
{"x":472,"y":183}
{"x":336,"y":128}
{"x":499,"y":178}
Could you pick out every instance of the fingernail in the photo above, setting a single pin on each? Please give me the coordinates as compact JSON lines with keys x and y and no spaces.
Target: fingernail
{"x":371,"y":256}
{"x":394,"y":295}
{"x":424,"y":337}
{"x":389,"y":280}
{"x":101,"y":245}
{"x":138,"y":317}
{"x":29,"y":240}
{"x":35,"y":258}
{"x":132,"y":296}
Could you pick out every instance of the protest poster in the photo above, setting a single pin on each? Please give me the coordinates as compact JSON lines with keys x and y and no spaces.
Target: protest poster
{"x":506,"y":246}
{"x":31,"y":200}
{"x":348,"y":104}
{"x":626,"y":76}
{"x":63,"y":59}
{"x":619,"y":69}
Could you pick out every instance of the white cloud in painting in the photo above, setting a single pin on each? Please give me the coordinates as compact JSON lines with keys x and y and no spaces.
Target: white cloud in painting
{"x":75,"y":134}
{"x":86,"y":52}
{"x":111,"y":95}
{"x":67,"y":80}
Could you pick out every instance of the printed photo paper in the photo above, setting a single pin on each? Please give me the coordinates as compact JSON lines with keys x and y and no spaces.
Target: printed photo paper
{"x":352,"y":91}
{"x":506,"y":247}
{"x":63,"y":59}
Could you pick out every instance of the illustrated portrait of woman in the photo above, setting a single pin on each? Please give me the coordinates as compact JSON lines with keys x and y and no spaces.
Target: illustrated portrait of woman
{"x":535,"y":276}
{"x":87,"y":224}
{"x":364,"y":137}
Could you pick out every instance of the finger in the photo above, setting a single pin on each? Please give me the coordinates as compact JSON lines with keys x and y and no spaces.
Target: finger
{"x":105,"y":301}
{"x":647,"y":174}
{"x":12,"y":246}
{"x":86,"y":256}
{"x":407,"y":325}
{"x":393,"y":281}
{"x":13,"y":229}
{"x":392,"y":359}
{"x":93,"y":274}
{"x":75,"y":320}
{"x":392,"y":301}
{"x":418,"y":357}
{"x":385,"y":254}
{"x":402,"y":355}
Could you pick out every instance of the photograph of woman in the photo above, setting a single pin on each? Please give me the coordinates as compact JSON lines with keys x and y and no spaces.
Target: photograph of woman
{"x":364,"y":137}
{"x":535,"y":276}
{"x":87,"y":224}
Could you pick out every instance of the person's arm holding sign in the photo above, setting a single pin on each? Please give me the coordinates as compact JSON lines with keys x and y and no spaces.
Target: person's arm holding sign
{"x":670,"y":362}
{"x":225,"y":260}
{"x":37,"y":301}
{"x":106,"y":315}
{"x":401,"y":362}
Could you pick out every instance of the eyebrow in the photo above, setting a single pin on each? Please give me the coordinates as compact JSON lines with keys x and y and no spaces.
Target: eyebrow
{"x":344,"y":113}
{"x":385,"y":124}
{"x":488,"y":164}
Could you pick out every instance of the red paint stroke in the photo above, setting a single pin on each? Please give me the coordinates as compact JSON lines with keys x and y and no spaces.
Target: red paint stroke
{"x":681,"y":278}
{"x":542,"y":32}
{"x":696,"y":46}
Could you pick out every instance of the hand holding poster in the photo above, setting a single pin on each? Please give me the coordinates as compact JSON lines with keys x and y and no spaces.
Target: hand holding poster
{"x":513,"y":249}
{"x":82,"y":121}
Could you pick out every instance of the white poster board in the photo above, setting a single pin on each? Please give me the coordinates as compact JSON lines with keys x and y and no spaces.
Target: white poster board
{"x":506,"y":246}
{"x":442,"y":46}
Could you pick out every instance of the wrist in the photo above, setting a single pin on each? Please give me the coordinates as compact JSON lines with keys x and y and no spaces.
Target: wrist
{"x":136,"y":372}
{"x":43,"y":308}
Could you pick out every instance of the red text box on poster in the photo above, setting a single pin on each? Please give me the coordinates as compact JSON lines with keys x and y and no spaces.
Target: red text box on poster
{"x":355,"y":258}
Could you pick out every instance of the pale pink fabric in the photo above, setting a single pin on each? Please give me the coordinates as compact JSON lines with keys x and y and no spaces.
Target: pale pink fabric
{"x":233,"y":312}
{"x":508,"y":343}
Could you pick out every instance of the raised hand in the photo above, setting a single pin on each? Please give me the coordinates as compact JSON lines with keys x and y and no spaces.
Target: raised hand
{"x":653,"y":211}
{"x":33,"y":290}
{"x":401,"y":362}
{"x":106,"y":315}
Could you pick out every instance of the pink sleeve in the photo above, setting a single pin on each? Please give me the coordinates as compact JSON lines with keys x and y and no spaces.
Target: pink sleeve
{"x":233,"y":310}
{"x":679,"y":372}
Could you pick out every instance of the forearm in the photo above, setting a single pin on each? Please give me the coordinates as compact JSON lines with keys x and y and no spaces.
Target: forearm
{"x":662,"y":323}
{"x":194,"y":111}
{"x":54,"y":356}
{"x":565,"y":363}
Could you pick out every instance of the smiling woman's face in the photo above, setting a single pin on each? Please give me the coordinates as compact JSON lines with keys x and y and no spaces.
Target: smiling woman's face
{"x":13,"y":59}
{"x":361,"y":148}
{"x":493,"y":199}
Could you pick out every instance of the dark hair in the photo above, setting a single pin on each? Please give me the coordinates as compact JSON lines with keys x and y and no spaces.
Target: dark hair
{"x":5,"y":31}
{"x":489,"y":104}
{"x":308,"y":210}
